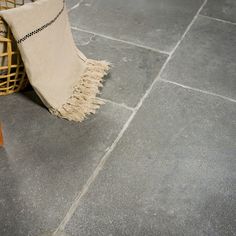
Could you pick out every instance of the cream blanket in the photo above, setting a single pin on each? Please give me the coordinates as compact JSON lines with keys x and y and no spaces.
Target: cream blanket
{"x":65,"y":80}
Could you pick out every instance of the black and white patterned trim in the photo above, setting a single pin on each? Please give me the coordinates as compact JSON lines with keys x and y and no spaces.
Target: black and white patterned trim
{"x":42,"y":27}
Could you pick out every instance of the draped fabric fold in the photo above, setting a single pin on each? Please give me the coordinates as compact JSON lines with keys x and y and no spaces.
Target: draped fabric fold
{"x":65,"y":80}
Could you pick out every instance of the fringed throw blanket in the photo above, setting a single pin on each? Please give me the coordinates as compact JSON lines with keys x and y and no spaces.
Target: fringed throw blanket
{"x":65,"y":80}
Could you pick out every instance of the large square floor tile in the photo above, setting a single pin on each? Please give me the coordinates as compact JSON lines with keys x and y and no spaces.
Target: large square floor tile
{"x":154,"y":23}
{"x":206,"y":59}
{"x":46,"y":161}
{"x":172,"y":173}
{"x":133,"y":68}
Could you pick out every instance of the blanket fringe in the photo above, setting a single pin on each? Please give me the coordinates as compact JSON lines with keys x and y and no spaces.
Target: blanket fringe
{"x":83,"y":100}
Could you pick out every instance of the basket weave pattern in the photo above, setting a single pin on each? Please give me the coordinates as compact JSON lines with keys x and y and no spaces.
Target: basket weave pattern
{"x":12,"y":72}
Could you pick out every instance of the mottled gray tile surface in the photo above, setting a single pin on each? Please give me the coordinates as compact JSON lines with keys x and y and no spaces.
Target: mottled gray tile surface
{"x":71,"y":3}
{"x":46,"y":161}
{"x":54,"y":234}
{"x":133,"y":68}
{"x":154,"y":23}
{"x":206,"y":59}
{"x":222,"y":9}
{"x":172,"y":173}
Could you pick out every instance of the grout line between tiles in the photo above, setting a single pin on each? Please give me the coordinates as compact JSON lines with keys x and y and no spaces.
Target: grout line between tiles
{"x":169,"y":58}
{"x":91,"y":179}
{"x":198,"y":90}
{"x":118,"y":104}
{"x":217,"y":19}
{"x":120,"y":40}
{"x":99,"y":167}
{"x":75,"y":6}
{"x":188,"y":28}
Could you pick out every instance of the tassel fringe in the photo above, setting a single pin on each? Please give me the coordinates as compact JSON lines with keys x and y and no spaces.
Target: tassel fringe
{"x":83,"y":100}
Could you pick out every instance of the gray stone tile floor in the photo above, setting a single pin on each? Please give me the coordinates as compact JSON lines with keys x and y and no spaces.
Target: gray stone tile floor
{"x":159,"y":158}
{"x":206,"y":58}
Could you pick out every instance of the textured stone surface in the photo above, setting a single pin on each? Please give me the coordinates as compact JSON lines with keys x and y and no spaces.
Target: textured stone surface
{"x":71,"y":3}
{"x":206,"y":58}
{"x":57,"y":234}
{"x":133,"y":68}
{"x":222,"y":9}
{"x":156,"y":23}
{"x":46,"y":161}
{"x":173,"y":172}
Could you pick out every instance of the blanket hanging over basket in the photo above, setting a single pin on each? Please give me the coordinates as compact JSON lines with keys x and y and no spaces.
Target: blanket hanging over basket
{"x":65,"y":80}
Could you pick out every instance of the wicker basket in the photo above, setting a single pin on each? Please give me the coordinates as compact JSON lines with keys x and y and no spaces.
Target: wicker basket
{"x":12,"y":73}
